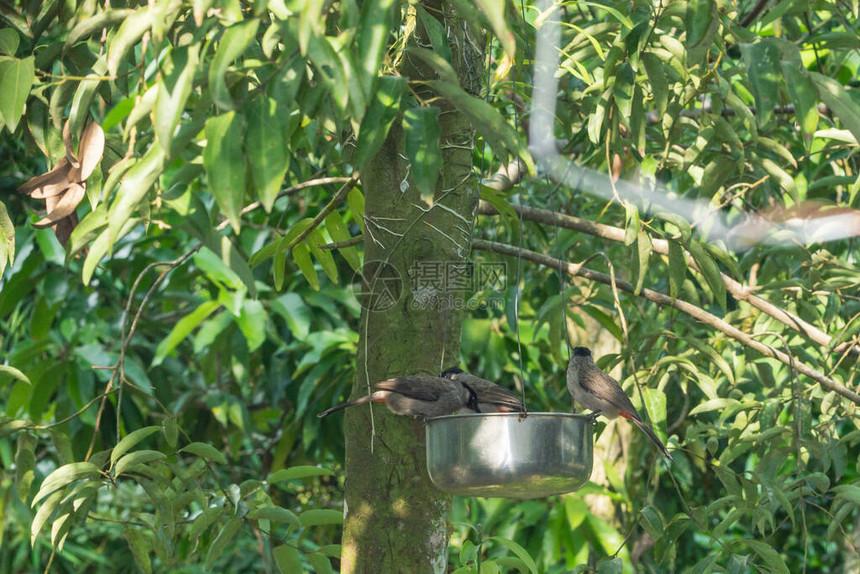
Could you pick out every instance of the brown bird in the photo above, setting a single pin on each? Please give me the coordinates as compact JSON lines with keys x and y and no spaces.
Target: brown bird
{"x":597,"y":391}
{"x":492,"y":398}
{"x":422,"y":395}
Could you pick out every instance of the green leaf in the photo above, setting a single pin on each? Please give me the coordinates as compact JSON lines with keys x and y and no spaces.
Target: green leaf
{"x":100,"y":247}
{"x":266,"y":148}
{"x":16,"y":78}
{"x":146,"y":457}
{"x":706,"y":564}
{"x":224,"y":161}
{"x":436,"y":32}
{"x":379,"y":117}
{"x":326,"y":261}
{"x":176,"y":82}
{"x":205,"y":451}
{"x":677,"y":268}
{"x":130,"y":32}
{"x":785,"y":181}
{"x":839,"y":101}
{"x":657,"y":80}
{"x":276,"y":514}
{"x":715,"y":175}
{"x":338,"y":232}
{"x":288,"y":559}
{"x":802,"y":92}
{"x":643,"y":250}
{"x":15,"y":374}
{"x":319,"y":517}
{"x":302,"y":257}
{"x":373,"y":31}
{"x":295,"y":312}
{"x":182,"y":329}
{"x":25,"y":462}
{"x":321,"y":563}
{"x":7,"y":239}
{"x":252,"y":322}
{"x":710,"y":271}
{"x":140,"y":545}
{"x":702,"y":22}
{"x":234,"y":42}
{"x":43,"y":514}
{"x":216,"y":270}
{"x":9,"y":41}
{"x":132,"y":191}
{"x":171,"y":431}
{"x":421,"y":133}
{"x":204,"y":520}
{"x":521,"y":552}
{"x":762,"y":60}
{"x":610,"y":565}
{"x":770,"y":556}
{"x":83,"y":99}
{"x":236,"y":263}
{"x":130,"y":440}
{"x":64,"y":476}
{"x":355,"y":200}
{"x":295,"y":472}
{"x":222,"y":541}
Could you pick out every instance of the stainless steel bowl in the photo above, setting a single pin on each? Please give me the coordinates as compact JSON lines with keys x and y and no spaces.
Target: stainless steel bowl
{"x":497,"y":454}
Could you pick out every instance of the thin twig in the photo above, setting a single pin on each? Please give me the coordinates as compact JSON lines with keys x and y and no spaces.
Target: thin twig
{"x":288,"y":191}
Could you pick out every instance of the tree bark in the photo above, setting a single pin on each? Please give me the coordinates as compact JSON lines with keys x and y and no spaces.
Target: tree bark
{"x":395,"y":520}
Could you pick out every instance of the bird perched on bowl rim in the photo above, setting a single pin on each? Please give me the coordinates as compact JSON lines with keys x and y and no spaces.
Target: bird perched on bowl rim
{"x":421,"y":395}
{"x":492,"y":398}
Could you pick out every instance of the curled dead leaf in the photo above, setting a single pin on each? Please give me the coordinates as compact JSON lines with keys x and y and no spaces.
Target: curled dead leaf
{"x":90,"y":150}
{"x":60,"y":207}
{"x":48,"y":184}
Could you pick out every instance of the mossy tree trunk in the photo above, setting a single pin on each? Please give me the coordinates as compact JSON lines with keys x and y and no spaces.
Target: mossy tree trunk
{"x":395,"y":520}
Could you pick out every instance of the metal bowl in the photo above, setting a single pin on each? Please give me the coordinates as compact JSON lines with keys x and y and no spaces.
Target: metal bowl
{"x":499,"y":454}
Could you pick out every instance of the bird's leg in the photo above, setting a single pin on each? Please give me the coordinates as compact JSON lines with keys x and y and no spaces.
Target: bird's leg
{"x":593,"y":416}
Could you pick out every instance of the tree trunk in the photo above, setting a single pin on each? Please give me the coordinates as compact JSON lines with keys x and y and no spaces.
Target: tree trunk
{"x":395,"y":520}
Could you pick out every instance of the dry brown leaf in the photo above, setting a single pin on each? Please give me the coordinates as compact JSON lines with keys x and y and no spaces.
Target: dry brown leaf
{"x":63,"y":205}
{"x":90,"y":150}
{"x":48,"y":184}
{"x":63,"y":229}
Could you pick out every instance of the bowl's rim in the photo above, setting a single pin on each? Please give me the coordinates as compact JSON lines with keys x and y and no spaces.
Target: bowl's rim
{"x":515,"y":414}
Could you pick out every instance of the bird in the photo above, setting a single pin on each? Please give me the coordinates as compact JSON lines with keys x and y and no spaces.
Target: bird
{"x":597,"y":391}
{"x":492,"y":398}
{"x":422,"y":395}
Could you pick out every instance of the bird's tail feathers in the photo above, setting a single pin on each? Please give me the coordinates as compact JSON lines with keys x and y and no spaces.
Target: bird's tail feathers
{"x":347,"y":404}
{"x":648,"y":432}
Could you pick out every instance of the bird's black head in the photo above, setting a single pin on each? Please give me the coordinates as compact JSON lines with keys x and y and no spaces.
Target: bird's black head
{"x":451,"y":371}
{"x":581,"y":352}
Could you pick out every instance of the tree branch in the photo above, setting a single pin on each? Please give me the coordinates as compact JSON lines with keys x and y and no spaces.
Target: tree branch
{"x":684,"y":306}
{"x":661,"y":246}
{"x":330,"y":206}
{"x":289,"y":191}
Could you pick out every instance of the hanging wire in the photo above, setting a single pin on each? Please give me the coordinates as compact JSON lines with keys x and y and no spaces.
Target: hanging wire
{"x":519,"y":256}
{"x":554,"y":191}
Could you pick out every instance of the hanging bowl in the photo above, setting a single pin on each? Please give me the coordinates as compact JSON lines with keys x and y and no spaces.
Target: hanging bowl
{"x":500,"y":454}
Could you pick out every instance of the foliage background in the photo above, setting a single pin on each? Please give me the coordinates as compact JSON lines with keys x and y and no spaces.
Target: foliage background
{"x":243,"y":333}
